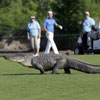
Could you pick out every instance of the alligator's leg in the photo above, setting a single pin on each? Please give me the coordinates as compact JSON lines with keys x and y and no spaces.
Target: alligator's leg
{"x":59,"y":65}
{"x":67,"y":70}
{"x":39,"y":67}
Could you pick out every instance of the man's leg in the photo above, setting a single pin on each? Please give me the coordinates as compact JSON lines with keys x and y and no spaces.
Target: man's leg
{"x":48,"y":46}
{"x":91,"y":45}
{"x":84,"y":42}
{"x":32,"y":44}
{"x":54,"y":47}
{"x":37,"y":45}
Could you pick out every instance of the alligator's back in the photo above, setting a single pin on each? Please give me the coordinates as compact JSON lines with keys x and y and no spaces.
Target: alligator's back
{"x":47,"y":61}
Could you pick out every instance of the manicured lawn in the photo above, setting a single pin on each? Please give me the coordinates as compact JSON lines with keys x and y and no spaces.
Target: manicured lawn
{"x":20,"y":83}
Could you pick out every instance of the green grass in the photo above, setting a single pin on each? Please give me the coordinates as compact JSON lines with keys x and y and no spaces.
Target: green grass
{"x":20,"y":83}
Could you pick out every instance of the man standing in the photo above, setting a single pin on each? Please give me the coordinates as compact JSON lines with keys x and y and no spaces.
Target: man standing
{"x":87,"y":27}
{"x":34,"y":34}
{"x":49,"y":24}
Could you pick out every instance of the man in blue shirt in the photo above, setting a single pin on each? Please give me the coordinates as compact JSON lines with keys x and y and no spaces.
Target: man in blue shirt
{"x":34,"y":34}
{"x":87,"y":27}
{"x":49,"y":24}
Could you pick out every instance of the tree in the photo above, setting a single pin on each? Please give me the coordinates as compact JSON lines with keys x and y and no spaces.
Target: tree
{"x":96,"y":1}
{"x":93,"y":6}
{"x":42,"y":9}
{"x":69,"y":13}
{"x":15,"y":14}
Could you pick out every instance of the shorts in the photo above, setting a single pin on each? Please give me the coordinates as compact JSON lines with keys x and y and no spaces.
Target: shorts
{"x":35,"y":42}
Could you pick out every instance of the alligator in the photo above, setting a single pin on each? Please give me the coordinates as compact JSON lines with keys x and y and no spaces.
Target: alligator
{"x":54,"y":62}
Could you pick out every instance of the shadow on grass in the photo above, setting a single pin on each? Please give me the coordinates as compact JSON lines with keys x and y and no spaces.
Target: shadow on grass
{"x":23,"y":74}
{"x":20,"y":74}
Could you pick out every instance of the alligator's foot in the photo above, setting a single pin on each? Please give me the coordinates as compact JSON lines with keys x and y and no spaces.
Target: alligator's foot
{"x":67,"y":71}
{"x":42,"y":72}
{"x":55,"y":70}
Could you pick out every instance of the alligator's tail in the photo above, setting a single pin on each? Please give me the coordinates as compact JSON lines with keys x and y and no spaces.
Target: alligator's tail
{"x":83,"y":67}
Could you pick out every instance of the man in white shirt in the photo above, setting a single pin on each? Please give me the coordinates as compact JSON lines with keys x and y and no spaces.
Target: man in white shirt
{"x":87,"y":27}
{"x":34,"y":34}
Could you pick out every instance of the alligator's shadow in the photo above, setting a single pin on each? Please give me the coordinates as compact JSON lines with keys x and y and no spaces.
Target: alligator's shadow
{"x":20,"y":74}
{"x":26,"y":74}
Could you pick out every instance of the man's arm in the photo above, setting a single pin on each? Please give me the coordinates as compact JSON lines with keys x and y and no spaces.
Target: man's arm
{"x":45,"y":29}
{"x":39,"y":30}
{"x":93,"y":22}
{"x":39,"y":35}
{"x":59,"y":26}
{"x":28,"y":36}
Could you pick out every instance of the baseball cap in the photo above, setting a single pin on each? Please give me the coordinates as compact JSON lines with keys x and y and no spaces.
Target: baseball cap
{"x":87,"y":13}
{"x":50,"y":12}
{"x":32,"y":17}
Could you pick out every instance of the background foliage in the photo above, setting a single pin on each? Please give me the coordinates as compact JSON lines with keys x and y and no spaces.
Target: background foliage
{"x":15,"y":14}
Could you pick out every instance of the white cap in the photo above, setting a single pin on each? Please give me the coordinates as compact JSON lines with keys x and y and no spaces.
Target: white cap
{"x":87,"y":13}
{"x":50,"y":12}
{"x":32,"y":17}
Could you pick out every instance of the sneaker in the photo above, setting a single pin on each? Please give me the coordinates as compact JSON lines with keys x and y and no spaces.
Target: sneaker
{"x":33,"y":55}
{"x":36,"y":54}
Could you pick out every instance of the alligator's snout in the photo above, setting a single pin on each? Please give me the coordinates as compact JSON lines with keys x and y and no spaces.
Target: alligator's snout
{"x":14,"y":58}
